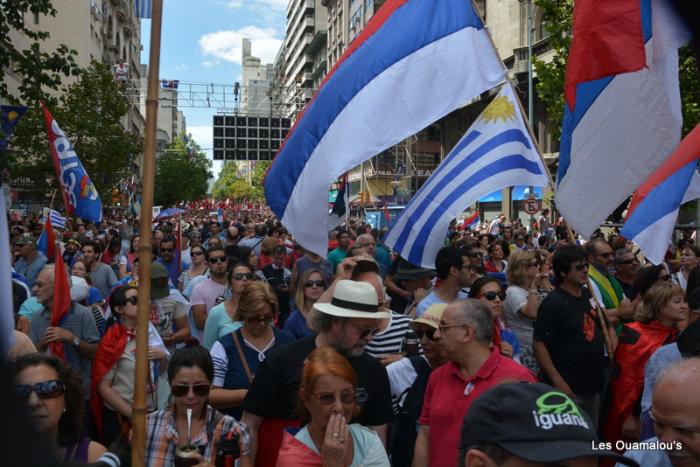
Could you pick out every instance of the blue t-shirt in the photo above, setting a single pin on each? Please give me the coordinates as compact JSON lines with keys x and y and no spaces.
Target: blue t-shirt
{"x":432,"y":299}
{"x":296,"y":325}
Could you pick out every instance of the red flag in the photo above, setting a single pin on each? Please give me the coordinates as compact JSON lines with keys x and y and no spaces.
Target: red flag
{"x":387,"y":216}
{"x":50,"y":239}
{"x":61,"y":301}
{"x":607,"y":40}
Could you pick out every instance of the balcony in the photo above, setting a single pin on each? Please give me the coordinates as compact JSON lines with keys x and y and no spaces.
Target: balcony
{"x":541,"y":49}
{"x":318,"y":43}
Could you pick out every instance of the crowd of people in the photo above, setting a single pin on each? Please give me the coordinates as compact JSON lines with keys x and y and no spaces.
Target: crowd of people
{"x":521,"y":347}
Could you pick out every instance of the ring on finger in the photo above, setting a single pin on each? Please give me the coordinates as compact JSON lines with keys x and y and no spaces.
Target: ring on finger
{"x":335,"y":435}
{"x":341,"y":440}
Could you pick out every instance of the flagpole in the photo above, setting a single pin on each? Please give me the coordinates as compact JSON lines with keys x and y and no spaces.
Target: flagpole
{"x":138,"y":445}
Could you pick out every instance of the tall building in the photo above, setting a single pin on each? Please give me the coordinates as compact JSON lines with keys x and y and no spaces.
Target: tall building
{"x":257,"y":79}
{"x":171,"y":121}
{"x":305,"y":36}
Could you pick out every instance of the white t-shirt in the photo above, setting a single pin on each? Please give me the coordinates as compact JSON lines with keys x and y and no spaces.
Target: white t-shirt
{"x":432,"y":299}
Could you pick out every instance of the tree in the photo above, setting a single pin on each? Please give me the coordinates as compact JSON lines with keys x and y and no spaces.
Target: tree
{"x":231,"y":185}
{"x":90,"y":114}
{"x":36,"y":70}
{"x":557,"y":16}
{"x":259,"y":172}
{"x":182,"y":173}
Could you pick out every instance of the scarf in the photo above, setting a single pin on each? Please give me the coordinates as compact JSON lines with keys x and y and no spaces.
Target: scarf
{"x":610,"y":288}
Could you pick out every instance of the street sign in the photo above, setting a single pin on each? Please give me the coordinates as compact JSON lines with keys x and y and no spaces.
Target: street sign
{"x":532,"y":206}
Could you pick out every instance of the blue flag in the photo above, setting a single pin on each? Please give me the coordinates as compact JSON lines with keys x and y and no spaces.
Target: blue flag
{"x":10,"y":116}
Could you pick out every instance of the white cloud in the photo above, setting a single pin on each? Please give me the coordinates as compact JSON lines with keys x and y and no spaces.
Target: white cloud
{"x":210,"y":63}
{"x":226,"y":45}
{"x":203,"y":135}
{"x":182,"y":67}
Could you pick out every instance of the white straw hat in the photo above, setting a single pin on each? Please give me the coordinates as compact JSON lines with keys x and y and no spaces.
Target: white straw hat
{"x":353,"y":299}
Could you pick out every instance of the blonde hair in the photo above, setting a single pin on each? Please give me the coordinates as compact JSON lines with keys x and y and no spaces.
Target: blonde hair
{"x":654,"y":300}
{"x":253,"y":298}
{"x":267,"y":246}
{"x":517,"y":266}
{"x":299,"y":297}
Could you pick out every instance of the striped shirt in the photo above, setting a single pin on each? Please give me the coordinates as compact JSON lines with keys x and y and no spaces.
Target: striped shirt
{"x":163,"y":437}
{"x":390,"y":341}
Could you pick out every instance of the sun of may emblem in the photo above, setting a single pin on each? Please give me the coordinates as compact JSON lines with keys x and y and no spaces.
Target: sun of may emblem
{"x":499,"y":108}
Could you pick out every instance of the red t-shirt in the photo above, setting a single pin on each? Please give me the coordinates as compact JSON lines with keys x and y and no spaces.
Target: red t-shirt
{"x":449,"y":395}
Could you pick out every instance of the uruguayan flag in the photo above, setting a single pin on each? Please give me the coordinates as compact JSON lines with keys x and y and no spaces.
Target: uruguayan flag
{"x":496,"y":152}
{"x":57,"y":220}
{"x":143,"y":8}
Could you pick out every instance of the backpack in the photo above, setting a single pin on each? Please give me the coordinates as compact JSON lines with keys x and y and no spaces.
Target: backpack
{"x":406,"y":424}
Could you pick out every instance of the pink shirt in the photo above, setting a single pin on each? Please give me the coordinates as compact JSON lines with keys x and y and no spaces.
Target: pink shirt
{"x":449,"y":396}
{"x":206,"y":293}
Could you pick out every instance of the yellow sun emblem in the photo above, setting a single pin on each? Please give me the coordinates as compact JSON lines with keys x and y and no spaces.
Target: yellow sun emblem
{"x":499,"y":108}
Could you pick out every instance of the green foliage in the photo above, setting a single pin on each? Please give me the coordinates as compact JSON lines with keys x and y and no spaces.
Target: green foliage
{"x":231,"y":185}
{"x":90,"y":114}
{"x":558,"y":25}
{"x":557,"y":16}
{"x":36,"y":70}
{"x":182,"y":173}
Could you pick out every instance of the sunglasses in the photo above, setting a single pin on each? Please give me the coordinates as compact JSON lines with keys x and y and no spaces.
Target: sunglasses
{"x":239,"y":276}
{"x":365,"y":332}
{"x":320,"y":283}
{"x":581,"y":266}
{"x":327,"y":398}
{"x":259,"y":319}
{"x":133,"y":300}
{"x":430,"y":333}
{"x":44,"y":390}
{"x":475,"y":255}
{"x":628,"y":261}
{"x":167,"y":250}
{"x":199,"y":390}
{"x":491,"y":296}
{"x":218,"y":259}
{"x":196,"y":253}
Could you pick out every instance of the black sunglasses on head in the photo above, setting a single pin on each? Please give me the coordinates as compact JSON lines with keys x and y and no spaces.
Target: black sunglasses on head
{"x":44,"y":390}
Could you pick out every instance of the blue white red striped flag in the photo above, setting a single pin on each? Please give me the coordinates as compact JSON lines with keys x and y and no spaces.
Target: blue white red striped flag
{"x":653,"y":212}
{"x":143,"y":8}
{"x":495,"y":152}
{"x":79,"y":194}
{"x":414,"y":62}
{"x":622,"y":116}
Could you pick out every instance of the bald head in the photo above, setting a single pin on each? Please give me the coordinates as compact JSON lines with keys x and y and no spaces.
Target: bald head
{"x":367,"y":242}
{"x":676,"y":411}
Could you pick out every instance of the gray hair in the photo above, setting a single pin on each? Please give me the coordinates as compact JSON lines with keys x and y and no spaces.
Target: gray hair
{"x":318,"y":321}
{"x":475,"y":313}
{"x":52,"y":268}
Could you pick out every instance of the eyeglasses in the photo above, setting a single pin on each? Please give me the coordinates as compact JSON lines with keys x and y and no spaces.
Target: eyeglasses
{"x":259,"y":319}
{"x":200,"y":390}
{"x":581,"y":266}
{"x":133,"y":300}
{"x":476,"y":254}
{"x":44,"y":390}
{"x":430,"y":333}
{"x":327,"y":398}
{"x":446,"y":326}
{"x":196,"y":253}
{"x":665,"y":278}
{"x":628,"y":261}
{"x":218,"y":259}
{"x":491,"y":296}
{"x":239,"y":276}
{"x":319,"y":283}
{"x":365,"y":332}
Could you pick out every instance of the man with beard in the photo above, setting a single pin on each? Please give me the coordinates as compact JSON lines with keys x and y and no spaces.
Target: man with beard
{"x":347,"y":324}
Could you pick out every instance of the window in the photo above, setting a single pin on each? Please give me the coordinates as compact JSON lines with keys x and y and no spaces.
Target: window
{"x":36,"y":18}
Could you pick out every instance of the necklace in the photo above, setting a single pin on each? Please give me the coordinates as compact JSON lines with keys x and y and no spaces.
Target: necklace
{"x":261,"y":353}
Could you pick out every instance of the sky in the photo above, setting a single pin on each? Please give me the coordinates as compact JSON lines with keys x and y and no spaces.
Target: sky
{"x":201,"y":42}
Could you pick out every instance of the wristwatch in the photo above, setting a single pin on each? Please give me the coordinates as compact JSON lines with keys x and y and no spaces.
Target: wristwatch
{"x":76,"y":342}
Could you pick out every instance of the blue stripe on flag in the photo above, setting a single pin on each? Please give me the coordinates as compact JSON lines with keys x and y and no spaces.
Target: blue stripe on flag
{"x":511,"y":162}
{"x":413,"y":26}
{"x":508,"y":136}
{"x":143,"y":8}
{"x":660,"y":201}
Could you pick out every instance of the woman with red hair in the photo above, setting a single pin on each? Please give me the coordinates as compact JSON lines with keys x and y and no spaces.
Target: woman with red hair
{"x":327,"y":401}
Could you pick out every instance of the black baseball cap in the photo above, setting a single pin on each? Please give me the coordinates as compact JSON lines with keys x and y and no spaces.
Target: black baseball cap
{"x":534,"y":422}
